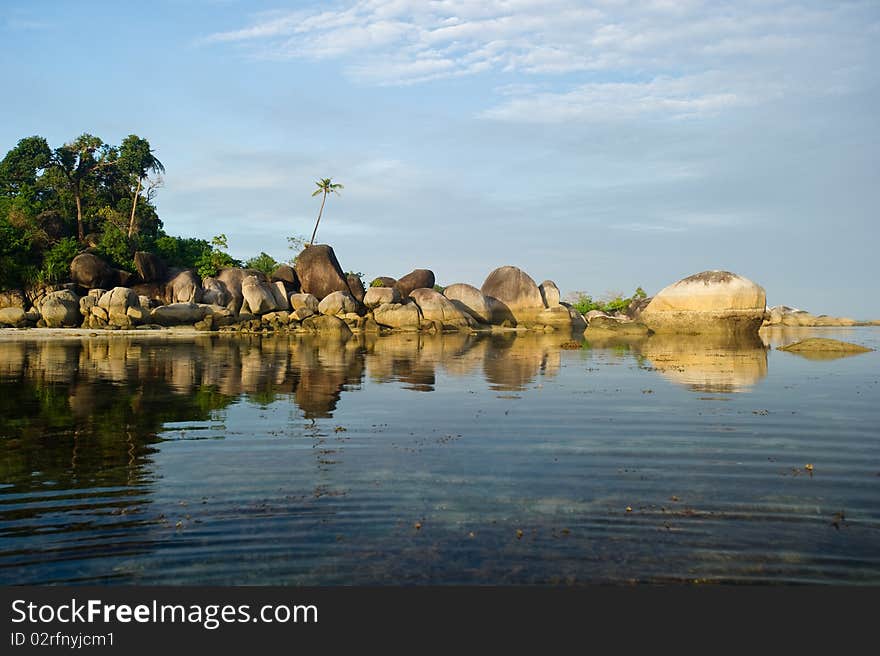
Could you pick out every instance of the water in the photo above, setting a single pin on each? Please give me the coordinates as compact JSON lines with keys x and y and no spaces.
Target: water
{"x":448,"y":459}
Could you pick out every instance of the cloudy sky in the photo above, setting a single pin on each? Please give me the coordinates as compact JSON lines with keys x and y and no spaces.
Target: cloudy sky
{"x":603,"y":145}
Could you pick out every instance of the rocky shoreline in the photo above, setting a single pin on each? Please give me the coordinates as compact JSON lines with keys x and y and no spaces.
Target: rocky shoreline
{"x":315,"y":296}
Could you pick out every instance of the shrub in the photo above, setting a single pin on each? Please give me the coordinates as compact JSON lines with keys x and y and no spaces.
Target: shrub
{"x":217,"y":258}
{"x":115,"y":247}
{"x":262,"y":262}
{"x":56,"y":261}
{"x":181,"y":251}
{"x":613,"y":302}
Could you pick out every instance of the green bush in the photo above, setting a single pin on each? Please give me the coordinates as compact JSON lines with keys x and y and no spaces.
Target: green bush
{"x":263,"y":262}
{"x":182,"y":252}
{"x":56,"y":262}
{"x":377,"y":283}
{"x":616,"y":303}
{"x":217,"y":258}
{"x":115,"y":247}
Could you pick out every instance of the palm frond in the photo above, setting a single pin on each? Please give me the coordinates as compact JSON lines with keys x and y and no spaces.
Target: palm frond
{"x":317,"y":191}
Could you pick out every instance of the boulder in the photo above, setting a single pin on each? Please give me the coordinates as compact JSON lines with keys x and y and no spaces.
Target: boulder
{"x":356,"y":286}
{"x":12,"y":298}
{"x":12,"y":316}
{"x":280,"y":293}
{"x":285,"y":273}
{"x":298,"y":301}
{"x":303,"y":313}
{"x":116,"y":303}
{"x":150,"y":267}
{"x":383,"y":281}
{"x":376,"y":296}
{"x":637,"y":306}
{"x":258,"y":295}
{"x":471,"y":300}
{"x":558,"y":318}
{"x":434,"y":306}
{"x":513,"y":296}
{"x":176,"y":314}
{"x":214,"y":292}
{"x":338,"y":303}
{"x":88,"y":270}
{"x":603,"y":325}
{"x":418,"y":279}
{"x":708,"y":302}
{"x":319,"y":272}
{"x":549,"y":293}
{"x":220,"y":314}
{"x":152,"y":290}
{"x":61,"y":310}
{"x":232,"y":278}
{"x":396,"y":315}
{"x":184,"y":287}
{"x":326,"y":324}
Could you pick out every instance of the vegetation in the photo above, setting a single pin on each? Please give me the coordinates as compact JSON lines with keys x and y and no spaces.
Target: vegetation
{"x":611,"y":302}
{"x":325,"y":186}
{"x":56,"y":202}
{"x":210,"y":262}
{"x":263,"y":262}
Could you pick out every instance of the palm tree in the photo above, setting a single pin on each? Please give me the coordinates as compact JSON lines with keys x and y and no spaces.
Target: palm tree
{"x":325,"y":186}
{"x":137,"y":159}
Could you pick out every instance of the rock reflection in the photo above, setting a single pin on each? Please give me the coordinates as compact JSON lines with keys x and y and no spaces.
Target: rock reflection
{"x":705,"y":364}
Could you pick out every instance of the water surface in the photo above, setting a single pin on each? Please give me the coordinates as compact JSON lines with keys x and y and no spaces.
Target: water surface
{"x":437,"y":459}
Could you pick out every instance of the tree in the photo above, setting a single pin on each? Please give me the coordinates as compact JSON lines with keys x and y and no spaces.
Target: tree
{"x":325,"y":186}
{"x":136,"y":159}
{"x":21,"y":164}
{"x":77,"y":163}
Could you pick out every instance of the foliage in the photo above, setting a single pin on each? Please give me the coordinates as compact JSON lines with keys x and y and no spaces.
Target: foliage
{"x":83,"y":187}
{"x":56,"y":262}
{"x":612,"y":301}
{"x":439,"y":288}
{"x":115,"y":247}
{"x":182,"y":252}
{"x":217,"y":258}
{"x":262,"y":262}
{"x":377,"y":283}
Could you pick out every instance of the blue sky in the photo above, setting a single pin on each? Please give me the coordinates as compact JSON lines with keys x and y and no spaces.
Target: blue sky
{"x":603,"y":145}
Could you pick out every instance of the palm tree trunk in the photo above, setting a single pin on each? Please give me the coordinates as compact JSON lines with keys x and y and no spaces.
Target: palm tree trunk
{"x":133,"y":208}
{"x":320,"y":212}
{"x":79,"y":219}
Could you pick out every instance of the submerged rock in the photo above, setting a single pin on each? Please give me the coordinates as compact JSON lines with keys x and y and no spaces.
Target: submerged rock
{"x":824,"y":345}
{"x":604,"y":324}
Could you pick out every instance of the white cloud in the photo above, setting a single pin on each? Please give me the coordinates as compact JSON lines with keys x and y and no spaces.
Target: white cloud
{"x":672,"y":58}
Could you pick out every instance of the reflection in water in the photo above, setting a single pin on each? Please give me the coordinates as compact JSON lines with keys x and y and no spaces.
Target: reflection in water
{"x":708,"y":365}
{"x":217,"y":459}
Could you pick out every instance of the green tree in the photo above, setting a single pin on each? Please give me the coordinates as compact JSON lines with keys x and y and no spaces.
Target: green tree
{"x":136,"y":159}
{"x":22,"y":163}
{"x":325,"y":186}
{"x":78,"y":163}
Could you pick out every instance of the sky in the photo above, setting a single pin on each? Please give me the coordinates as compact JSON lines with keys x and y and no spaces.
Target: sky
{"x":602,"y":145}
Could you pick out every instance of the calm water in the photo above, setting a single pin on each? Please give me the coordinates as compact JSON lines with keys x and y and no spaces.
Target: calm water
{"x":447,"y":459}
